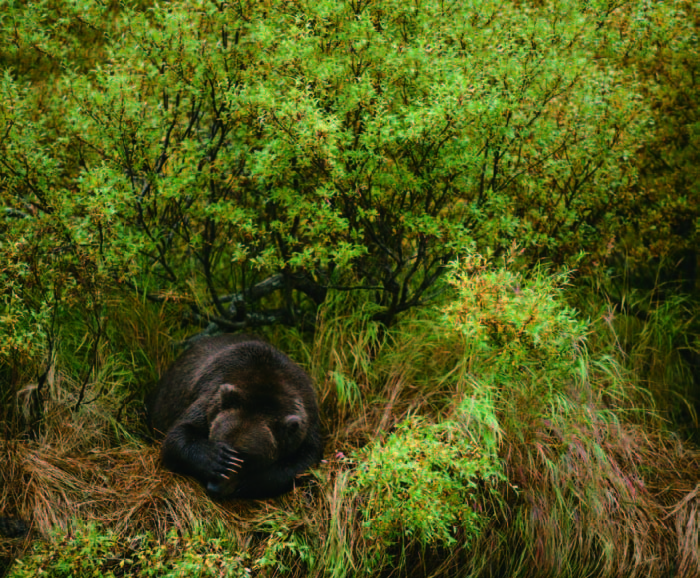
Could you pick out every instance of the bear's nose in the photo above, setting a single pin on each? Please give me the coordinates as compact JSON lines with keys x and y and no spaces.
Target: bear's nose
{"x":215,"y":489}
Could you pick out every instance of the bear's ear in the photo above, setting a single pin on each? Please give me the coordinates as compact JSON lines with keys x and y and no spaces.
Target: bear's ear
{"x":292,"y":424}
{"x":231,"y":397}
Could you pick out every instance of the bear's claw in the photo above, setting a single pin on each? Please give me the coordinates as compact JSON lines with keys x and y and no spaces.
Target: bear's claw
{"x":226,"y":462}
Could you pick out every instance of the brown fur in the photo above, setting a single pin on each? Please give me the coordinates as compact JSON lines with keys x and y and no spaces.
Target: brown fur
{"x":238,"y":415}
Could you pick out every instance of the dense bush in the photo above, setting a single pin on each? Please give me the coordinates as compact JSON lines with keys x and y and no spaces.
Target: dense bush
{"x":242,"y":159}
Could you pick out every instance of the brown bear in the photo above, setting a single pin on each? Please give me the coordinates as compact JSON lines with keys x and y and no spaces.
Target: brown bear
{"x":238,"y":415}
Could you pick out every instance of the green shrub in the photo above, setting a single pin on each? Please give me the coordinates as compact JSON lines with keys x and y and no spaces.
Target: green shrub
{"x":426,"y":485}
{"x":289,"y":148}
{"x":518,"y":330}
{"x":285,"y":551}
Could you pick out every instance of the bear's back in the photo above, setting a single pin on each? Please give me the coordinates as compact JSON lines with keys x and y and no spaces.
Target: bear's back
{"x":252,"y":364}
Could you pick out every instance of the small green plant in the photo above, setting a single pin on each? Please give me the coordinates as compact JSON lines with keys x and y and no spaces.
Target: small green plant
{"x":93,"y":551}
{"x":515,"y":320}
{"x":285,"y":550}
{"x":425,"y":485}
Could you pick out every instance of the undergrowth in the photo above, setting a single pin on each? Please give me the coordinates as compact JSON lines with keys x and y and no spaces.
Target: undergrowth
{"x":424,"y":484}
{"x":89,"y":550}
{"x":487,"y":436}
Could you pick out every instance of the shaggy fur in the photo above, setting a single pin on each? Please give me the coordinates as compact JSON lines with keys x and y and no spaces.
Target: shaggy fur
{"x":238,"y":415}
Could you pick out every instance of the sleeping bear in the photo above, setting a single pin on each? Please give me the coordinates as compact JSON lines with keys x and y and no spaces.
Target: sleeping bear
{"x":238,"y":415}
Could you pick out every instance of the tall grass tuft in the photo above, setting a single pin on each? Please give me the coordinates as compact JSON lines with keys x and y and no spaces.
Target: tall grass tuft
{"x":577,"y":446}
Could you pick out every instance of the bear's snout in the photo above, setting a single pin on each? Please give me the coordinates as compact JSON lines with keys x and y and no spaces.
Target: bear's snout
{"x":253,"y":439}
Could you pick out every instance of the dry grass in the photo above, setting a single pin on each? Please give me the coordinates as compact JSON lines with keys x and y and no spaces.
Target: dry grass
{"x":52,"y":482}
{"x":605,"y":513}
{"x":632,"y":527}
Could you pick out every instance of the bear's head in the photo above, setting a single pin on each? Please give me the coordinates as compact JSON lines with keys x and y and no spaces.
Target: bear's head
{"x":260,"y":433}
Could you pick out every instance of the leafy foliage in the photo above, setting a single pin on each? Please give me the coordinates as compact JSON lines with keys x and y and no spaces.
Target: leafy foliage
{"x":90,"y":551}
{"x":516,"y":319}
{"x":287,"y":148}
{"x":423,"y":485}
{"x":285,"y":549}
